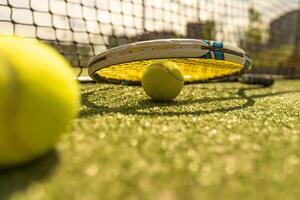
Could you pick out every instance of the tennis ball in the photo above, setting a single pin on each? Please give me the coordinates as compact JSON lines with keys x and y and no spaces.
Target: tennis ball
{"x":38,"y":98}
{"x":162,"y":80}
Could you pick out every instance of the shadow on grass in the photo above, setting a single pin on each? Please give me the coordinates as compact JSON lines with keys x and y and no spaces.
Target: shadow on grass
{"x":95,"y":109}
{"x":19,"y":178}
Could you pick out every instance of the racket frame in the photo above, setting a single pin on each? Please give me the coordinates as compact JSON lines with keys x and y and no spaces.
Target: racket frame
{"x":167,"y":49}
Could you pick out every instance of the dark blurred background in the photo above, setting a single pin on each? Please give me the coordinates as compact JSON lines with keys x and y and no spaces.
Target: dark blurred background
{"x":268,"y":30}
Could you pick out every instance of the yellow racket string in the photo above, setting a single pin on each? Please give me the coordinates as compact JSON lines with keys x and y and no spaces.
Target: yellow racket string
{"x":194,"y":69}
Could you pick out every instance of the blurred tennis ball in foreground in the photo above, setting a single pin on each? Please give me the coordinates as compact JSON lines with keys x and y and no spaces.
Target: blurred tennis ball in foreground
{"x":162,"y":80}
{"x":38,"y":98}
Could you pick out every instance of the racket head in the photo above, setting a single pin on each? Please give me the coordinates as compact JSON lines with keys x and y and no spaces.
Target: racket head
{"x":199,"y":60}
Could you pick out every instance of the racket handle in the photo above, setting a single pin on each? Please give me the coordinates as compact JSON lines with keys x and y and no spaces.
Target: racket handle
{"x":260,"y":79}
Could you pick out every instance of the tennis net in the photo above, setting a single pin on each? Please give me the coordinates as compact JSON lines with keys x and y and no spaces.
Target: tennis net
{"x":268,"y":30}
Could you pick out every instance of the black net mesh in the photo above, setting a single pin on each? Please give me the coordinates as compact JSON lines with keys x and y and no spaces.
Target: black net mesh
{"x":268,"y":30}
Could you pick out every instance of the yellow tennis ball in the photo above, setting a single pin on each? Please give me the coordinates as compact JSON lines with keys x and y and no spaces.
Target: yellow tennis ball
{"x":162,"y":80}
{"x":38,"y":98}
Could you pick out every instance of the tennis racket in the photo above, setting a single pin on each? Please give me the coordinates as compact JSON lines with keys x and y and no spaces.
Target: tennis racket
{"x":199,"y":60}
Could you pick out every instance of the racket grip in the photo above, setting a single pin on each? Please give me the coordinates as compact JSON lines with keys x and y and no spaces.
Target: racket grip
{"x":260,"y":79}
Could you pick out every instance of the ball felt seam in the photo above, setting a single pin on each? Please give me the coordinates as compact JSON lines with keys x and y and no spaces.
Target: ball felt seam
{"x":10,"y":109}
{"x":174,"y":74}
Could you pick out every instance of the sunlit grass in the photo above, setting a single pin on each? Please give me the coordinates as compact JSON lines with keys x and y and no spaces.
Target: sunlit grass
{"x":216,"y":141}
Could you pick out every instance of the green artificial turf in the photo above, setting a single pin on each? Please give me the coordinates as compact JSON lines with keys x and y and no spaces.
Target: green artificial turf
{"x":216,"y":141}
